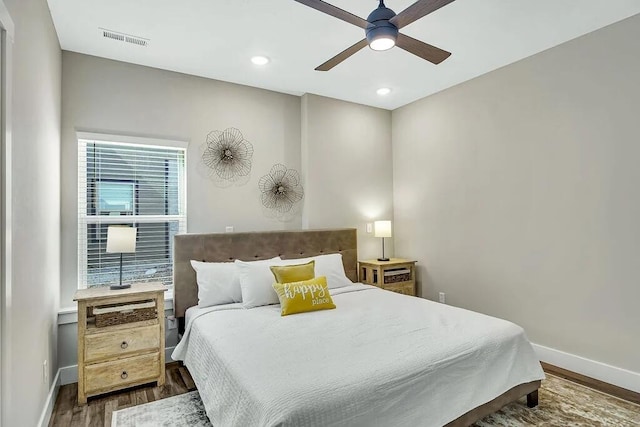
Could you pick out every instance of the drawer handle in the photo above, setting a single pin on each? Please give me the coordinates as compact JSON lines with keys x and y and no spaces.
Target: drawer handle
{"x":124,"y":375}
{"x":124,"y":345}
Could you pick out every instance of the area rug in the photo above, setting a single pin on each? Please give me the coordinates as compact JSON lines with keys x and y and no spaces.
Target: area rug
{"x":182,"y":410}
{"x":562,"y":403}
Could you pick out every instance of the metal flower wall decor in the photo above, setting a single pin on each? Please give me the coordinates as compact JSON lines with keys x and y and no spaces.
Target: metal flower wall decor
{"x":227,"y":155}
{"x":281,"y":190}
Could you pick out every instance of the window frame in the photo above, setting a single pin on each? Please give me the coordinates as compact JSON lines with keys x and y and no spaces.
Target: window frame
{"x":135,"y":219}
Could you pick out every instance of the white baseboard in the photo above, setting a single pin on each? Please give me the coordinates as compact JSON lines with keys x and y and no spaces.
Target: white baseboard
{"x":591,"y":368}
{"x":45,"y":417}
{"x":69,"y":374}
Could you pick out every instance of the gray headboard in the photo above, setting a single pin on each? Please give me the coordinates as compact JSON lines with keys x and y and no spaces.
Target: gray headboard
{"x":224,"y":247}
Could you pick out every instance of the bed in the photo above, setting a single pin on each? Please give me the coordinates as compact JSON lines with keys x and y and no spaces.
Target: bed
{"x":379,"y":358}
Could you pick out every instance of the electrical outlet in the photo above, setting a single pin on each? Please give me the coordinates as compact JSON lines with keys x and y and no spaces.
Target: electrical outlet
{"x":441,"y":297}
{"x":172,"y":323}
{"x":45,"y":372}
{"x":369,"y":227}
{"x":228,"y":229}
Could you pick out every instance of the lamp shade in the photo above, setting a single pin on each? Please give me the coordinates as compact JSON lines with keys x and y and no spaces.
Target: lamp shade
{"x":382,"y":229}
{"x":121,"y":239}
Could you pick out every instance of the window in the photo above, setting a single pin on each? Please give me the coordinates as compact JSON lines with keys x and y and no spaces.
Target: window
{"x":133,"y":184}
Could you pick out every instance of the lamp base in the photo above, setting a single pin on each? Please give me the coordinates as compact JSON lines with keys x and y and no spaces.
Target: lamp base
{"x":383,"y":259}
{"x":117,"y":287}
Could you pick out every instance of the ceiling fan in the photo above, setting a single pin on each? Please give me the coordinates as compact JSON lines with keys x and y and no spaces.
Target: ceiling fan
{"x":381,"y":29}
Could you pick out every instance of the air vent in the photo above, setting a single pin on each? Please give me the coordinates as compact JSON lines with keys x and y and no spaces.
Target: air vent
{"x":122,"y":37}
{"x":135,"y":40}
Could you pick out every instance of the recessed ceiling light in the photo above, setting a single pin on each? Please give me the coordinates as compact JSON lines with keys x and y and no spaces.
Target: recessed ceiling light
{"x":260,"y":60}
{"x":383,"y":91}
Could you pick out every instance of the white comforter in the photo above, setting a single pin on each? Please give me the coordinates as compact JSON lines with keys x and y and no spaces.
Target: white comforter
{"x":378,"y":359}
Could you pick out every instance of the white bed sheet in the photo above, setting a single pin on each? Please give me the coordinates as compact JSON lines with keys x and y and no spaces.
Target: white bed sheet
{"x":378,"y":359}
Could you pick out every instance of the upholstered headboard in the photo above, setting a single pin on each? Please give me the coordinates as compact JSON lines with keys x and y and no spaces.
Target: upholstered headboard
{"x":223,"y":247}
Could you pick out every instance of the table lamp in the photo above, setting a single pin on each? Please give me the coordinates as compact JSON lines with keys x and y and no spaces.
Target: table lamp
{"x":121,"y":239}
{"x":382,"y":229}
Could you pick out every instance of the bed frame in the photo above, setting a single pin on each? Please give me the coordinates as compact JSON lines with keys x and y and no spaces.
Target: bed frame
{"x":226,"y":247}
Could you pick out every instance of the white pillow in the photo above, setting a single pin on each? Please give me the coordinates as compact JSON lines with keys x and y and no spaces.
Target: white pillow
{"x":331,"y":266}
{"x":218,"y":282}
{"x":256,"y":282}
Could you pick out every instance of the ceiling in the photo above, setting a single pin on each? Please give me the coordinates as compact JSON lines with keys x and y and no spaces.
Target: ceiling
{"x":217,"y":38}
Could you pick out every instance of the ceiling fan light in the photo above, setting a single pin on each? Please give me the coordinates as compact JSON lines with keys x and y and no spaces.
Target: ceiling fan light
{"x":382,"y":43}
{"x":382,"y":35}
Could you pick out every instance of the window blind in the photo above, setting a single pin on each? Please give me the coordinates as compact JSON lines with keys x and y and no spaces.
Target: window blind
{"x":133,"y":185}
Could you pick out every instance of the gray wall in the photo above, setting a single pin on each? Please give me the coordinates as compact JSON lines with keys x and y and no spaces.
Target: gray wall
{"x":518,"y":194}
{"x":346,"y":157}
{"x":35,"y":210}
{"x":119,"y":98}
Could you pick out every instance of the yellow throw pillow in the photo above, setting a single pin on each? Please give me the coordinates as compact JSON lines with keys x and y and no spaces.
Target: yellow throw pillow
{"x":307,"y":295}
{"x":294,"y":273}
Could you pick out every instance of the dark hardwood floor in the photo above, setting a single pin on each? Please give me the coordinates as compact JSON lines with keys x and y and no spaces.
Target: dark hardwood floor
{"x":98,"y":411}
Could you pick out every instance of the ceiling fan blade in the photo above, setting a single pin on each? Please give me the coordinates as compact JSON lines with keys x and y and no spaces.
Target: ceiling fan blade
{"x":421,"y":49}
{"x":342,"y":56}
{"x":335,"y":12}
{"x":416,"y":11}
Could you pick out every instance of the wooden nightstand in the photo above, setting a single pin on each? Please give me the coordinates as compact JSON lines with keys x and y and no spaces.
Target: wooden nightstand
{"x":397,"y":275}
{"x":129,"y":349}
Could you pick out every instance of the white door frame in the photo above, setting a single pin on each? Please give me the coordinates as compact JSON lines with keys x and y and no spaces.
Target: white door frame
{"x":7,"y":32}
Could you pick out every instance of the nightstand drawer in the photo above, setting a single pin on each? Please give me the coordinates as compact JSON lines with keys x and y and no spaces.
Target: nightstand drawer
{"x":118,"y":373}
{"x":401,"y":288}
{"x":113,"y":344}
